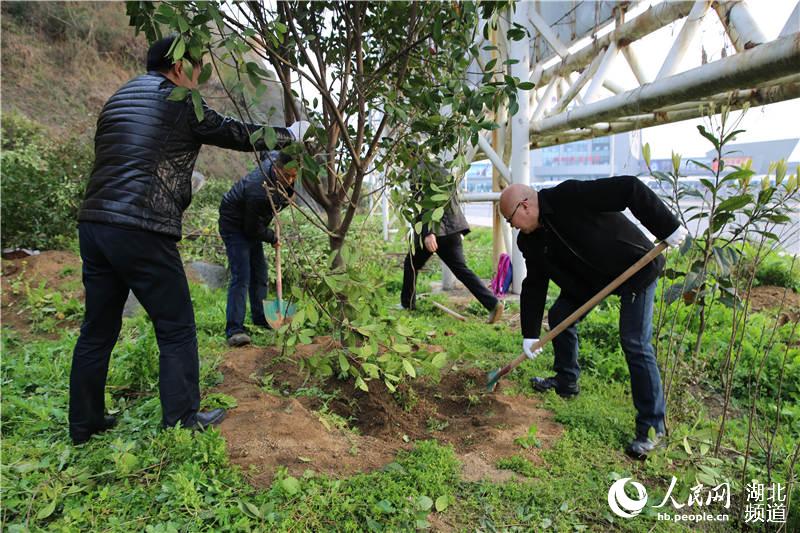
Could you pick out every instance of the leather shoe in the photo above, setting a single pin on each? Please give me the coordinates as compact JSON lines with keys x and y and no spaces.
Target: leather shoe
{"x":546,"y":384}
{"x":204,"y":419}
{"x":108,"y":423}
{"x":238,"y":339}
{"x":641,"y":447}
{"x":496,"y":313}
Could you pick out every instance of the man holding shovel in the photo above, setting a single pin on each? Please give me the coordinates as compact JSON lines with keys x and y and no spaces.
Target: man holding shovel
{"x":146,"y":146}
{"x":576,"y":235}
{"x":244,"y":216}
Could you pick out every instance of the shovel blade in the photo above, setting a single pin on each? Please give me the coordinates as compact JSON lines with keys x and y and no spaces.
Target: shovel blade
{"x":492,"y":378}
{"x":278,"y":312}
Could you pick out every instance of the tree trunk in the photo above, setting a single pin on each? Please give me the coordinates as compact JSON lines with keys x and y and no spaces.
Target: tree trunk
{"x":336,"y":240}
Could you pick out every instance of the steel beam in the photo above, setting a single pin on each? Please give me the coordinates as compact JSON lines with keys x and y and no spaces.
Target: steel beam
{"x":739,"y":24}
{"x":646,"y":23}
{"x":749,"y":68}
{"x":684,"y":39}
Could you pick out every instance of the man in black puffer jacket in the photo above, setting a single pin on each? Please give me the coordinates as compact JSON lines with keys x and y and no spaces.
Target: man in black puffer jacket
{"x":145,"y":149}
{"x":244,"y":217}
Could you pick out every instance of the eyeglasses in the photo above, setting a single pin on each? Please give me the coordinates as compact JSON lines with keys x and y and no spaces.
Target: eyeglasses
{"x":514,"y":212}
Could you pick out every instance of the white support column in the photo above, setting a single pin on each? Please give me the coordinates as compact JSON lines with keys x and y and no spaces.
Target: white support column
{"x":740,"y":25}
{"x":602,"y":71}
{"x":548,"y":93}
{"x":636,"y":67}
{"x":577,"y":85}
{"x":520,"y":129}
{"x":684,"y":39}
{"x":544,"y":28}
{"x":792,"y":25}
{"x":496,"y":160}
{"x":385,"y":208}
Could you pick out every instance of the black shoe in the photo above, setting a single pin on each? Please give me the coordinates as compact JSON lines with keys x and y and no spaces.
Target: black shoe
{"x":641,"y":447}
{"x":546,"y":384}
{"x":108,"y":423}
{"x":238,"y":339}
{"x":204,"y":419}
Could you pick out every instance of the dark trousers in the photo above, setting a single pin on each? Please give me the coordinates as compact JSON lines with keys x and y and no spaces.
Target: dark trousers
{"x":116,"y":260}
{"x":635,"y":335}
{"x":451,"y":251}
{"x":248,"y":276}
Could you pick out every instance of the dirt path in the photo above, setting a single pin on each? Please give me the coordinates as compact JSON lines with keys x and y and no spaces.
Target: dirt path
{"x":286,"y":428}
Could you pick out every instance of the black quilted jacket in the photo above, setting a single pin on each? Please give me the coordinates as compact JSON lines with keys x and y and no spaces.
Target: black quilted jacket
{"x":145,"y":150}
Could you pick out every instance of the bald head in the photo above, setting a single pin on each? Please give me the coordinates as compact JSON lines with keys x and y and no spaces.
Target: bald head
{"x":519,"y":205}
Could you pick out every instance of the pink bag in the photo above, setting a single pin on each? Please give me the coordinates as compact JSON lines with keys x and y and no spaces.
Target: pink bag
{"x":502,"y":279}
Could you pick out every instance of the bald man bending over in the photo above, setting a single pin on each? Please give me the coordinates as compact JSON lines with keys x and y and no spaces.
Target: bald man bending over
{"x":576,"y":235}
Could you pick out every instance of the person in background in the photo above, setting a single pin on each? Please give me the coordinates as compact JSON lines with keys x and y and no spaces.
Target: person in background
{"x":445,"y":239}
{"x":244,"y":217}
{"x":576,"y":235}
{"x":129,"y":223}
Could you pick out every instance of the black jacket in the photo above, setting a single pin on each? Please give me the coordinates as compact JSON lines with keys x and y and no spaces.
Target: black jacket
{"x":584,"y":242}
{"x":453,"y":220}
{"x":245,"y":208}
{"x":145,"y":151}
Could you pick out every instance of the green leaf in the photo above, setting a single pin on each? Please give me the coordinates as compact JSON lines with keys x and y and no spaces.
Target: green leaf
{"x":178,"y":50}
{"x":409,"y":368}
{"x":525,"y":86}
{"x":439,"y":360}
{"x":178,"y":94}
{"x":47,"y":510}
{"x":205,"y":74}
{"x":270,"y":137}
{"x":361,"y":385}
{"x":438,"y":213}
{"x":442,"y":502}
{"x":490,"y":65}
{"x":402,"y":348}
{"x":197,"y":102}
{"x":735,"y":202}
{"x":343,"y":364}
{"x":424,"y":503}
{"x":291,"y":485}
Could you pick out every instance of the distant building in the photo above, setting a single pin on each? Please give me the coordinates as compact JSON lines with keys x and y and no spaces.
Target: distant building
{"x":759,"y":154}
{"x":593,"y":158}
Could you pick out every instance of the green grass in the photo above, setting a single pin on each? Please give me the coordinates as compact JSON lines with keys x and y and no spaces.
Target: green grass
{"x":138,"y":477}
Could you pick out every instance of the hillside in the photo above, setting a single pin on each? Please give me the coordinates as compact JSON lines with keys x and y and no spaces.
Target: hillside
{"x":62,"y":60}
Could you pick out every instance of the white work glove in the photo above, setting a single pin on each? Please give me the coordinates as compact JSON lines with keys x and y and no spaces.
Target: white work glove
{"x":527,"y":344}
{"x":677,"y":237}
{"x":299,"y":129}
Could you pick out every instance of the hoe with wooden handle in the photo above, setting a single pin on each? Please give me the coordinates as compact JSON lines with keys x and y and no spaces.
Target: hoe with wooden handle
{"x":494,"y":376}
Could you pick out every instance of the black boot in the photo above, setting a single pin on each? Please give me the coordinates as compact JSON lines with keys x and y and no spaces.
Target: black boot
{"x":546,"y":384}
{"x":108,"y":423}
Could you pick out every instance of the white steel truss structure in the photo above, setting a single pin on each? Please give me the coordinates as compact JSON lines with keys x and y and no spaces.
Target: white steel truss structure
{"x":575,"y":99}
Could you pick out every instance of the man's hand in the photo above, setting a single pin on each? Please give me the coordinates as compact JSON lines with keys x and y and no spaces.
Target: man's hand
{"x":299,"y":129}
{"x":276,"y":244}
{"x":677,"y":237}
{"x":430,"y":243}
{"x":527,"y":344}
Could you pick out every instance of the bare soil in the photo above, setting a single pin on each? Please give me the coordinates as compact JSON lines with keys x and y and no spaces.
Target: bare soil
{"x":59,"y":271}
{"x":266,"y":431}
{"x":767,"y":298}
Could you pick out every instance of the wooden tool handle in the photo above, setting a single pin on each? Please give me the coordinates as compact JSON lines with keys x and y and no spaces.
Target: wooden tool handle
{"x":585,"y":308}
{"x":278,"y":277}
{"x":449,"y":311}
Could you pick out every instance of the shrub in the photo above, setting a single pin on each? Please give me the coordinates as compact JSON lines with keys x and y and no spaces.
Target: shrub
{"x":43,"y":183}
{"x":779,"y":272}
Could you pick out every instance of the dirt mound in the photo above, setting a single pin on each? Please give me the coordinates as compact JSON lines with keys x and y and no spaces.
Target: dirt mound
{"x":339,"y":430}
{"x":766,"y":297}
{"x":59,"y":272}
